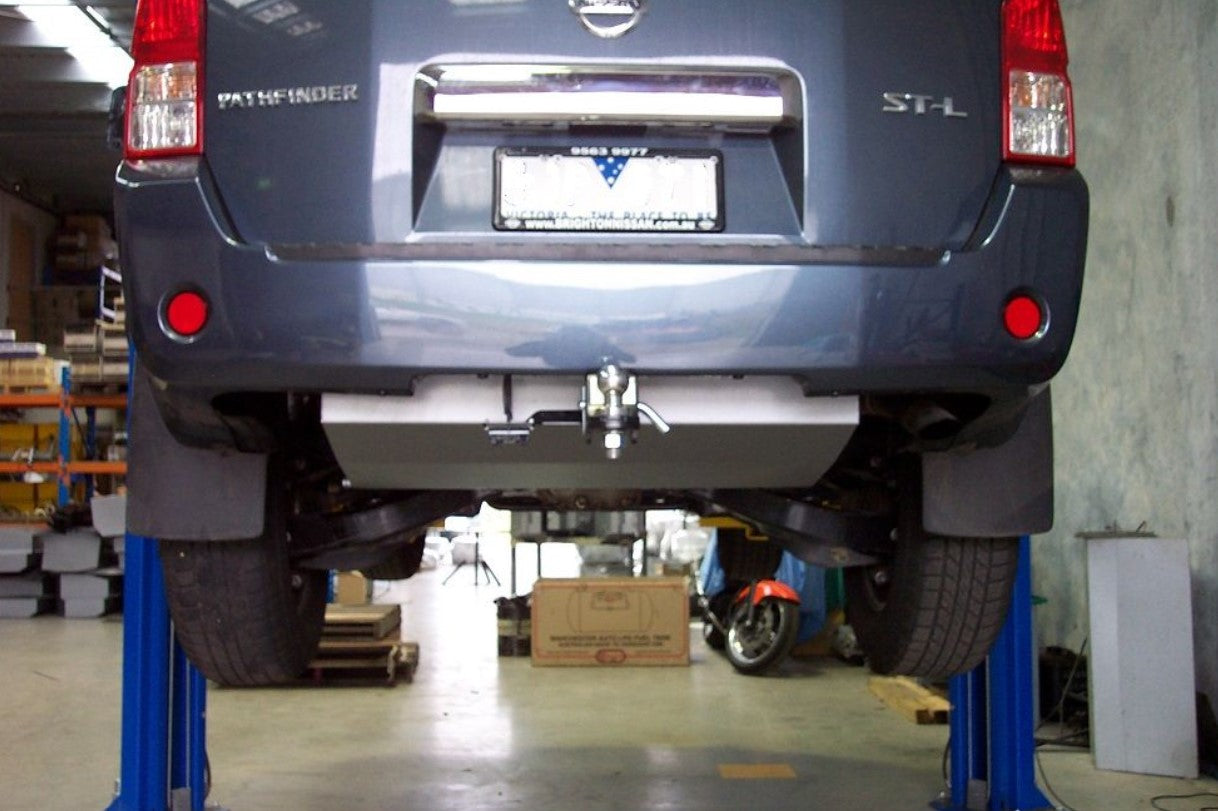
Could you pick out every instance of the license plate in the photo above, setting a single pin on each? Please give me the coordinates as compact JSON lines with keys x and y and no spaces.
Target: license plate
{"x":608,"y":189}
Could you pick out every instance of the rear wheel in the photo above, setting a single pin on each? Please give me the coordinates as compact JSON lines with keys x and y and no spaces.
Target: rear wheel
{"x":243,"y":615}
{"x":934,"y":609}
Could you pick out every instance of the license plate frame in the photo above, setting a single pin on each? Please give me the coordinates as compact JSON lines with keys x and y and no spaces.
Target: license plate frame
{"x":587,"y":189}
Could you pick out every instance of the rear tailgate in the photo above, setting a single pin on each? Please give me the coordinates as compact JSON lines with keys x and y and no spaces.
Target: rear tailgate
{"x":319,"y":125}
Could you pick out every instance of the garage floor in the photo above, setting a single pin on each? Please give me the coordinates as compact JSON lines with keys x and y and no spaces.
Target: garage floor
{"x":477,"y":732}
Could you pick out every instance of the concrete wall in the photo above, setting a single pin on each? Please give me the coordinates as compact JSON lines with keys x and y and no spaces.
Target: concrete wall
{"x":1136,"y":409}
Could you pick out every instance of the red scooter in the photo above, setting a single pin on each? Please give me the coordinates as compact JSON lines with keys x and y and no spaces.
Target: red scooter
{"x":756,"y":624}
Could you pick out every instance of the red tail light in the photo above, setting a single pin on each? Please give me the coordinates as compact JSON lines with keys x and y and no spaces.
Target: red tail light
{"x":1038,"y":107}
{"x":165,"y":94}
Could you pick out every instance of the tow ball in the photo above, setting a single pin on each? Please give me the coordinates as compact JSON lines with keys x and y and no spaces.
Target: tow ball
{"x":608,"y":404}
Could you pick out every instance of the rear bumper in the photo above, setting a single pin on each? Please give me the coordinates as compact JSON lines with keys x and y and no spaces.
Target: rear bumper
{"x":376,"y":318}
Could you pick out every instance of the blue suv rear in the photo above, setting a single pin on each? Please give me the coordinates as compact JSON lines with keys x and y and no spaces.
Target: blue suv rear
{"x":809,"y":264}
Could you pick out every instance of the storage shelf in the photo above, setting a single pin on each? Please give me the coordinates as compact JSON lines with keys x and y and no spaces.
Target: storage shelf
{"x":33,"y":400}
{"x":65,"y":469}
{"x":23,"y":467}
{"x":53,"y":399}
{"x":89,"y":468}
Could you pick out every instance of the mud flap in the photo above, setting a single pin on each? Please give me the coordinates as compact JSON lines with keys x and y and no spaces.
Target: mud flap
{"x":182,"y":493}
{"x":994,"y":492}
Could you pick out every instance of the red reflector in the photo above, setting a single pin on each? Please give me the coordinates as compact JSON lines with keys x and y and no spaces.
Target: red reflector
{"x":186,"y":314}
{"x":1023,"y":317}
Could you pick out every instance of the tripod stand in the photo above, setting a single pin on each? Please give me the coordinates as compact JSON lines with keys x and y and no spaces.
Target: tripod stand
{"x":478,"y":563}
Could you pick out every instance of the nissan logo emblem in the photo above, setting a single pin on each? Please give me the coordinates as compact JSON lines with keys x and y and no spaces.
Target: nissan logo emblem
{"x":608,"y":18}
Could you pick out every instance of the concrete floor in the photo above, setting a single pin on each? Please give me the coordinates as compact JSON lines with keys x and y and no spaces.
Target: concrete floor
{"x":478,"y":732}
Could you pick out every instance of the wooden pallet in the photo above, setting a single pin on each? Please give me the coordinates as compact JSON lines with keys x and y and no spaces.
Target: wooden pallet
{"x":364,"y":621}
{"x":917,"y":703}
{"x":362,"y":662}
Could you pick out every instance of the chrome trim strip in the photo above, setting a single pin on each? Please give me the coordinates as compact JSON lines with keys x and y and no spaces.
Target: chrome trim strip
{"x":664,"y":95}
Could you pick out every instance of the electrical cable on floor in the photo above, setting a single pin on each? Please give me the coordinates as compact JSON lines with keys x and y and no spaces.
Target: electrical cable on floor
{"x":1069,"y":739}
{"x":1155,"y":801}
{"x":1053,"y":795}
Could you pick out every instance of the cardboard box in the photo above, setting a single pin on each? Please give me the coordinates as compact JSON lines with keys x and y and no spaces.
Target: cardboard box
{"x":350,"y":588}
{"x":32,"y":373}
{"x":611,"y":621}
{"x":58,"y":307}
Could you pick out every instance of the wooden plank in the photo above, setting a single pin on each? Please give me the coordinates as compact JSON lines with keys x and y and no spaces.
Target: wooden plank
{"x":358,"y":631}
{"x":360,"y":613}
{"x":910,"y":699}
{"x":407,"y":661}
{"x":375,"y":621}
{"x":350,"y":644}
{"x":326,"y":663}
{"x":367,"y":663}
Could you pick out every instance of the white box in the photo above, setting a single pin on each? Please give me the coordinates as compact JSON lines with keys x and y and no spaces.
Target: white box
{"x":1142,"y":682}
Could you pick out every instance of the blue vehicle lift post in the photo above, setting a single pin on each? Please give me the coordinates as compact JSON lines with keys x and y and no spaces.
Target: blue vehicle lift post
{"x":993,"y":718}
{"x":164,"y":759}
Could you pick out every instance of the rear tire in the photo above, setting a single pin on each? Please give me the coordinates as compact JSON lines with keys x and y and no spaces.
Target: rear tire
{"x":243,"y":615}
{"x":934,"y":610}
{"x":402,"y":563}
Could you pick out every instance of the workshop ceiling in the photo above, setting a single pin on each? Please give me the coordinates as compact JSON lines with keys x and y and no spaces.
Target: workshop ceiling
{"x":54,"y":102}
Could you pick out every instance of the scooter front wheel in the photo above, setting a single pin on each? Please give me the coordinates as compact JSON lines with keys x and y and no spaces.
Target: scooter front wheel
{"x":755,"y":646}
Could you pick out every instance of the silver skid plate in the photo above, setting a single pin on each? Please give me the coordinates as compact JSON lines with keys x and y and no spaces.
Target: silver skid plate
{"x":755,"y":432}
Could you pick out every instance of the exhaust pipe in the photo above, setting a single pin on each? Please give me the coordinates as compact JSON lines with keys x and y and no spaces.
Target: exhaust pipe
{"x":929,"y":421}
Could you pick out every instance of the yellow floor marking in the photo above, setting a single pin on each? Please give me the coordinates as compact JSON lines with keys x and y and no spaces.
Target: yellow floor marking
{"x":756,"y":771}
